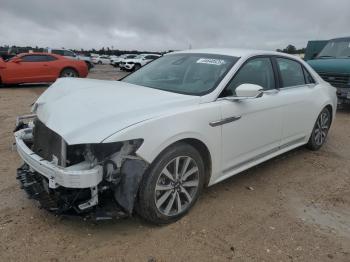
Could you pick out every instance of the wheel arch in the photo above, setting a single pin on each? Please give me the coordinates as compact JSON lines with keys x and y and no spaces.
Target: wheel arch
{"x":89,"y":64}
{"x":202,"y":149}
{"x":330,"y":107}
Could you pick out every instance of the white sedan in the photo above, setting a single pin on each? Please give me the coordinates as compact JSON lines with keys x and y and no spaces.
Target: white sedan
{"x":153,"y":140}
{"x":133,"y":64}
{"x":102,"y":59}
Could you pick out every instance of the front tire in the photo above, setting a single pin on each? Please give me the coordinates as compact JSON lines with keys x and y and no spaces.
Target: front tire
{"x":320,"y":130}
{"x":172,"y":185}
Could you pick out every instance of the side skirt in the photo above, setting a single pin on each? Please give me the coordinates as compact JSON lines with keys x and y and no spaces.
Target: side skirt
{"x":259,"y":159}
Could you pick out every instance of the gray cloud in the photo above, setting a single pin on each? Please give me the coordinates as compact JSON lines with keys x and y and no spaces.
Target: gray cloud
{"x":162,"y":24}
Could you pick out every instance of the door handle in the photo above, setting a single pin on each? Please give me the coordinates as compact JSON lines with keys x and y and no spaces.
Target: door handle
{"x":224,"y":121}
{"x":46,"y":65}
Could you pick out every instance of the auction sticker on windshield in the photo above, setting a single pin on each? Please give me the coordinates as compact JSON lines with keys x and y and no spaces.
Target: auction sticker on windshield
{"x":211,"y":61}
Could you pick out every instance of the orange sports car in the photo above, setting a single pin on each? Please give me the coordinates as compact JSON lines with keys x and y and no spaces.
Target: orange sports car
{"x":39,"y":67}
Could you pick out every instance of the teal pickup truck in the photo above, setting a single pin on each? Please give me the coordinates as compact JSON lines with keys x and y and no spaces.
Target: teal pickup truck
{"x":332,"y":63}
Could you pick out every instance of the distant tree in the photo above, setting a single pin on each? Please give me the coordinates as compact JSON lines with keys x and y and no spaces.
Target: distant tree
{"x":291,"y":49}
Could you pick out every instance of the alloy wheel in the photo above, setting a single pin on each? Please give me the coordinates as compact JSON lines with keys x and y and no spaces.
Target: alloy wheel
{"x":176,"y":186}
{"x":322,"y":126}
{"x":69,"y":74}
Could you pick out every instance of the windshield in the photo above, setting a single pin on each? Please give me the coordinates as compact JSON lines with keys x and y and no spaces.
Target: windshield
{"x":336,"y":49}
{"x":192,"y":74}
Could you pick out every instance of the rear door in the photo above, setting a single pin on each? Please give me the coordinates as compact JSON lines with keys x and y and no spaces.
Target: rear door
{"x":297,"y":90}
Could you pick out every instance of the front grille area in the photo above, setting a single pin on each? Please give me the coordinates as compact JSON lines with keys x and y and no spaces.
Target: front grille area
{"x":336,"y":80}
{"x":46,"y":142}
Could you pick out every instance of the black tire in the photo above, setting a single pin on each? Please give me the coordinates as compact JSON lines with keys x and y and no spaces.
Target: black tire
{"x":320,"y":130}
{"x":69,"y":72}
{"x":137,"y":67}
{"x":99,"y":62}
{"x":147,"y":198}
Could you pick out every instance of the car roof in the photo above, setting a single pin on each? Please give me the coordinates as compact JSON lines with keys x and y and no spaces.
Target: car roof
{"x":40,"y":53}
{"x":341,"y":39}
{"x":237,"y":52}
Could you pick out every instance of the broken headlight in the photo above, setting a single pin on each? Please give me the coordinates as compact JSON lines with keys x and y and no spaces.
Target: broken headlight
{"x":97,"y":153}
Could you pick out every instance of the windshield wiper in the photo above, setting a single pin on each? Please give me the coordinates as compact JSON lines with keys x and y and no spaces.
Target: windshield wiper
{"x":324,"y":56}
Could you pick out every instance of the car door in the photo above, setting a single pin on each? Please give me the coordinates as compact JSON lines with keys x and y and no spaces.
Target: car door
{"x":298,"y":92}
{"x":28,"y":68}
{"x":251,"y":128}
{"x":53,"y":67}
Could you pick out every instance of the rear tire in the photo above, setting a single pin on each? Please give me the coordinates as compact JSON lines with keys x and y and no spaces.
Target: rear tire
{"x":320,"y":130}
{"x":172,"y":184}
{"x":69,"y":72}
{"x":99,"y":62}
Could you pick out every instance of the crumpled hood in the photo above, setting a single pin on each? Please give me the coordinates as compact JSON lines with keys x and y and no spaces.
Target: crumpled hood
{"x":331,"y":65}
{"x":88,"y":111}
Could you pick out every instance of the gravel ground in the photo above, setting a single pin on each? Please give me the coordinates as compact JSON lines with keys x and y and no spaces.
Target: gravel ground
{"x":295,"y":207}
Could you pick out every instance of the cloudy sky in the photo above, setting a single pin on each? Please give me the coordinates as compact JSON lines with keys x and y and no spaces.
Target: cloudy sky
{"x":176,"y":24}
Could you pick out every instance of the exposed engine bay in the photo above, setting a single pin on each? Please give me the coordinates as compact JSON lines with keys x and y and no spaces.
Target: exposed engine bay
{"x":99,"y":180}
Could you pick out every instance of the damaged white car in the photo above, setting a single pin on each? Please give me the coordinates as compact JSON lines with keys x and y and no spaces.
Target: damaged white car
{"x":150,"y":142}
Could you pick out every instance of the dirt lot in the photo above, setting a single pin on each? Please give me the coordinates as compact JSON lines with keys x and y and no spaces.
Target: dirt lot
{"x":295,"y":207}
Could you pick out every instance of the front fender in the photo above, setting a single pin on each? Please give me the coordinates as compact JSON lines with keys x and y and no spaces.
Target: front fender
{"x":191,"y":123}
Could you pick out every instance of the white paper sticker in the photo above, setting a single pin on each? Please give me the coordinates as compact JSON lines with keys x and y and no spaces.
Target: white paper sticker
{"x":211,"y":61}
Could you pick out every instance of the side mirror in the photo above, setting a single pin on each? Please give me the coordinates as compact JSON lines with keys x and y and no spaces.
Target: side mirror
{"x":247,"y":91}
{"x":17,"y":61}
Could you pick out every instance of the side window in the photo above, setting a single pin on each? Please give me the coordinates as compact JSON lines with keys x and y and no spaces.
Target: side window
{"x":34,"y":58}
{"x":308,"y":77}
{"x":50,"y":58}
{"x":291,"y":72}
{"x":257,"y":71}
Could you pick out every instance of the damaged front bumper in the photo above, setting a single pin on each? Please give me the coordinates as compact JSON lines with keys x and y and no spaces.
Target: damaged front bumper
{"x":76,"y":176}
{"x":82,"y":187}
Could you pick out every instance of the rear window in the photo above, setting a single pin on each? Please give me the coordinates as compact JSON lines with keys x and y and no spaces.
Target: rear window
{"x":291,"y":72}
{"x":308,"y":77}
{"x":57,"y":52}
